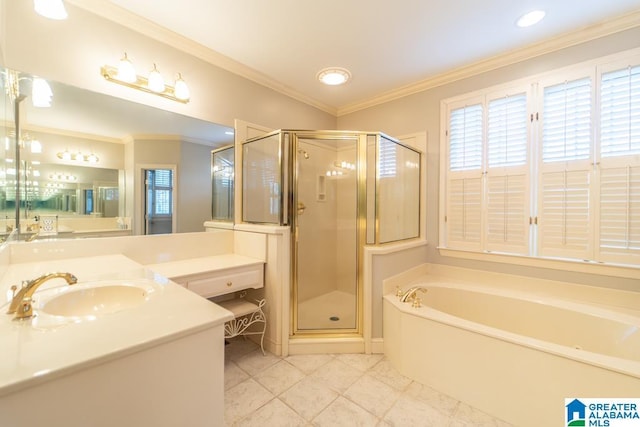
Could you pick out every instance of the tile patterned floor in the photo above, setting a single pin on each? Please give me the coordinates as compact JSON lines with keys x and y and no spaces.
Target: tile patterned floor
{"x":333,"y":390}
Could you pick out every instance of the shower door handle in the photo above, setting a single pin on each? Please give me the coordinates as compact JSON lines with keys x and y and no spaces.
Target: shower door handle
{"x":301,"y":208}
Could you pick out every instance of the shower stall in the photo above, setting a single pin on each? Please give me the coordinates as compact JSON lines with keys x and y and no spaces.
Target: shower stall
{"x":338,"y":191}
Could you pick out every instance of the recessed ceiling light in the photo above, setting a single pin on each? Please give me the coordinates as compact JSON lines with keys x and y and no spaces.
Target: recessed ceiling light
{"x":530,"y":18}
{"x":334,"y":76}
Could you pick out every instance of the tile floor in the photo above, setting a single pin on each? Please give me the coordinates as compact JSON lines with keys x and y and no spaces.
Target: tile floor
{"x":332,"y":390}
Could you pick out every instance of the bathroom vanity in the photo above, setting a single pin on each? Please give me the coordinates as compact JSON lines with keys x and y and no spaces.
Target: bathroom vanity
{"x":159,"y":361}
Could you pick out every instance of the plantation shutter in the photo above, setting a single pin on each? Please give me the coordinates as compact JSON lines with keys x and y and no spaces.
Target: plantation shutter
{"x":564,"y":188}
{"x":507,"y":191}
{"x":464,"y":178}
{"x":619,"y":183}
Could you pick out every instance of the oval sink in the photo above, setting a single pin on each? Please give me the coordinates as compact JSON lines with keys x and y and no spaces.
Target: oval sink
{"x":95,"y":301}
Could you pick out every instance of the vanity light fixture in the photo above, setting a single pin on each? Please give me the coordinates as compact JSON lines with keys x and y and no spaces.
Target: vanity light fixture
{"x":52,"y":9}
{"x":530,"y":18}
{"x":126,"y":75}
{"x":68,"y":156}
{"x":64,"y":155}
{"x":334,"y":76}
{"x":63,"y":177}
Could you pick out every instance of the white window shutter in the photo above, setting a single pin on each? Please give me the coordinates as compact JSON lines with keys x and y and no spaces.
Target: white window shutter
{"x":620,"y":113}
{"x":619,"y":171}
{"x":465,"y":138}
{"x":507,"y":132}
{"x":464,"y":213}
{"x":565,"y":212}
{"x":464,"y":178}
{"x":508,"y":214}
{"x":564,"y":217}
{"x":566,"y":130}
{"x":507,"y":185}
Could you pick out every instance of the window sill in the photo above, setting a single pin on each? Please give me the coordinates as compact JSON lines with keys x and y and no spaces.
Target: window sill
{"x":590,"y":267}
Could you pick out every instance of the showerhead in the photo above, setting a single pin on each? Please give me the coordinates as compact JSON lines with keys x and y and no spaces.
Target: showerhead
{"x":304,"y":153}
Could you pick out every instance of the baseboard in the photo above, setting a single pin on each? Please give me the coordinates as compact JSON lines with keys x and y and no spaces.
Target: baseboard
{"x":326,"y":345}
{"x":377,"y":345}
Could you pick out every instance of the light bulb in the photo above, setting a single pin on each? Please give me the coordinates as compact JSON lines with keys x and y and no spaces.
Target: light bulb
{"x":52,"y":9}
{"x":126,"y":70}
{"x":181,"y":90}
{"x":155,"y":81}
{"x":41,"y":93}
{"x":36,"y":146}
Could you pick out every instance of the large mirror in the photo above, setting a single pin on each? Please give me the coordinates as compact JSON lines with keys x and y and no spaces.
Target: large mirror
{"x":82,"y":159}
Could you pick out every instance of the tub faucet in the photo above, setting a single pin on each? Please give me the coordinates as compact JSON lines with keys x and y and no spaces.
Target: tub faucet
{"x":411,"y":293}
{"x":21,"y":304}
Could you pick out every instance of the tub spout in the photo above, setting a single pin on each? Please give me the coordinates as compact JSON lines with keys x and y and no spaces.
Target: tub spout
{"x":411,"y":293}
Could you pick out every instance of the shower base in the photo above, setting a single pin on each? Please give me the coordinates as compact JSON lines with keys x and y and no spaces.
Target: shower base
{"x":333,"y":310}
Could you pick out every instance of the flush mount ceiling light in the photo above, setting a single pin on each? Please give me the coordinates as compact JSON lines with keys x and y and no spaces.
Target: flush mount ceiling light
{"x":125,"y":74}
{"x":334,"y":76}
{"x":530,"y":18}
{"x":52,"y":9}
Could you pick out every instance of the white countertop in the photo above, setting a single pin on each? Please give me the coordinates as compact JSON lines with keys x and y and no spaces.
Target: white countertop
{"x":47,"y":347}
{"x":192,"y":266}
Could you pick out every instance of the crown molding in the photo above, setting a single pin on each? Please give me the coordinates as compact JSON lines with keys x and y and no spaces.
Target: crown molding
{"x":625,"y":22}
{"x":152,"y":30}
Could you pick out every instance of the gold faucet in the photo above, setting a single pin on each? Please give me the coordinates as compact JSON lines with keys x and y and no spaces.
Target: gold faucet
{"x":411,"y":293}
{"x":21,"y":304}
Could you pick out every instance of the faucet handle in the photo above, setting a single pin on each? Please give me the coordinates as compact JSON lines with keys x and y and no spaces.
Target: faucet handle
{"x":417,"y":302}
{"x":399,"y":292}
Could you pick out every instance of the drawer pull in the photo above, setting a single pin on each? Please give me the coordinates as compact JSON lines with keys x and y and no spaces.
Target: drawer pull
{"x":229,"y":284}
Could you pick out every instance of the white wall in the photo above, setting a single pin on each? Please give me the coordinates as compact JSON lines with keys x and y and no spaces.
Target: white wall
{"x":421,"y":112}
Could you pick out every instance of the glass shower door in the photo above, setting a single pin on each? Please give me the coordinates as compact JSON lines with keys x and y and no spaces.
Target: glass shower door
{"x":326,"y":235}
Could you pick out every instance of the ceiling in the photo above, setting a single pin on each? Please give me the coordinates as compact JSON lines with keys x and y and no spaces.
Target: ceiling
{"x":387,"y":46}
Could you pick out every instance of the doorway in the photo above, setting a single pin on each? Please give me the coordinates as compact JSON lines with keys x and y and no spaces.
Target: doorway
{"x":158,"y":201}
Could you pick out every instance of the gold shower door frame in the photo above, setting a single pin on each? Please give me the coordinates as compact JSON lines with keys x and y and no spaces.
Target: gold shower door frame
{"x":361,"y":224}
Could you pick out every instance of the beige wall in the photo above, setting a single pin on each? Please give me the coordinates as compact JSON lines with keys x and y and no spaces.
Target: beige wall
{"x":194,"y":187}
{"x":421,"y":111}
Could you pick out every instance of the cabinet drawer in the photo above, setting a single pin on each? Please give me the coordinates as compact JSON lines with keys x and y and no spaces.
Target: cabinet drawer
{"x":224,"y":284}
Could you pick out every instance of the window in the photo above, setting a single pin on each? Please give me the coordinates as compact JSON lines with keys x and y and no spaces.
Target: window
{"x":487,"y":194}
{"x":619,"y":164}
{"x":548,"y":167}
{"x":159,"y":192}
